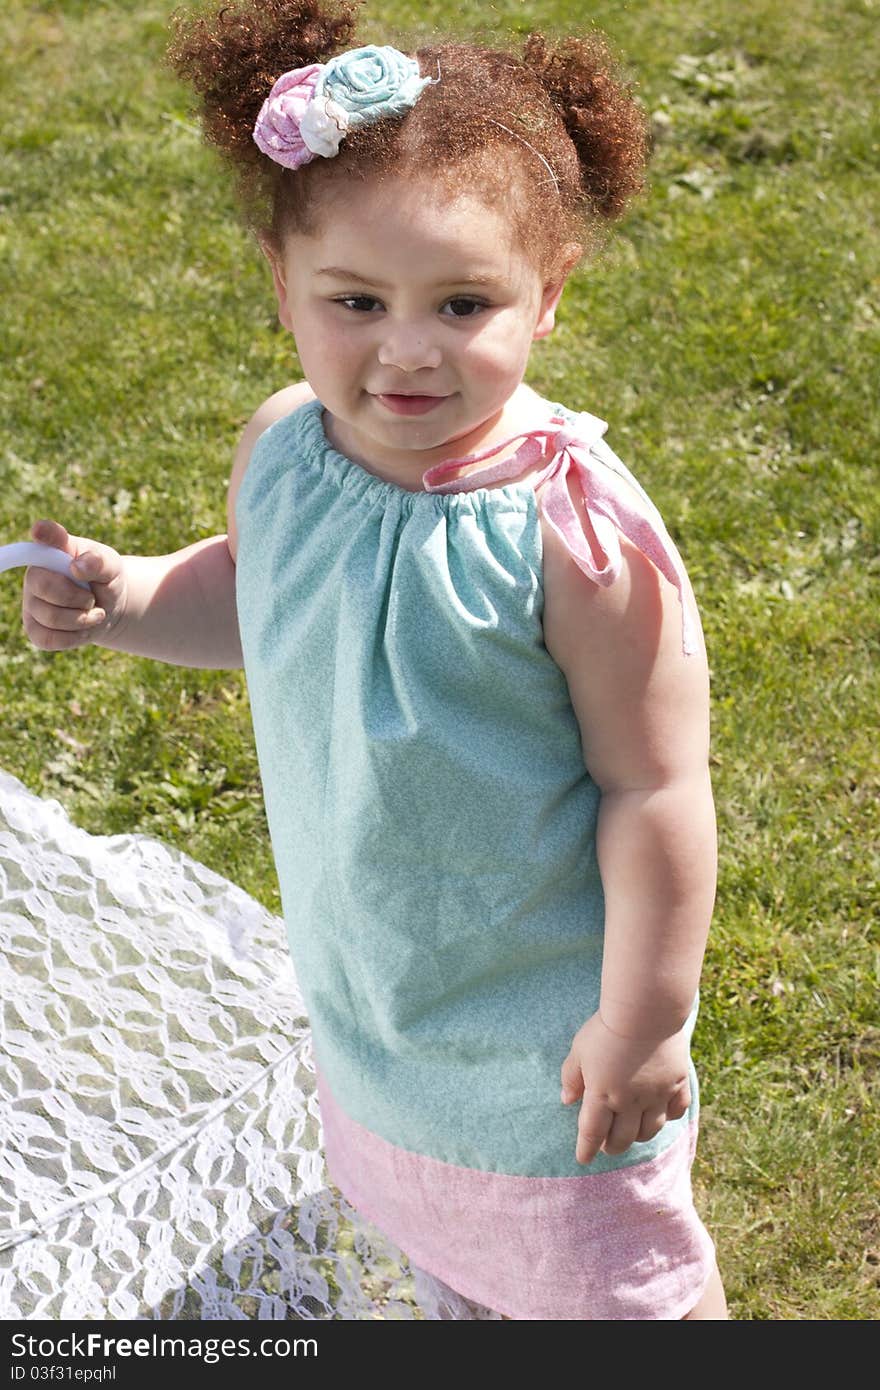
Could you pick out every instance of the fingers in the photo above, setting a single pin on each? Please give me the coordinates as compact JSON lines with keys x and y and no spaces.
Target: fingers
{"x":594,"y":1122}
{"x":55,"y":629}
{"x":600,"y":1128}
{"x":77,"y":613}
{"x":637,"y":1126}
{"x":679,"y":1102}
{"x":52,"y":533}
{"x":623,"y":1132}
{"x":94,"y":562}
{"x":652,"y":1123}
{"x":53,"y":639}
{"x":56,"y":613}
{"x":572,"y":1080}
{"x":634,"y":1127}
{"x":656,"y":1116}
{"x":53,"y":587}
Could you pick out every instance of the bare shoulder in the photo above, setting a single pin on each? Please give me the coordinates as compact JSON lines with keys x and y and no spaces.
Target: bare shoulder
{"x":274,"y":408}
{"x":568,"y":592}
{"x":642,"y":706}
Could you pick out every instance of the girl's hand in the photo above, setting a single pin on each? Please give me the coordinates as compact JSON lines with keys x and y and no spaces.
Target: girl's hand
{"x":630,"y":1087}
{"x":57,"y":614}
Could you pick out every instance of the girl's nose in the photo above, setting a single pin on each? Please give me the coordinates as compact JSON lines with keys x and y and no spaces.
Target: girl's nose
{"x":409,"y":348}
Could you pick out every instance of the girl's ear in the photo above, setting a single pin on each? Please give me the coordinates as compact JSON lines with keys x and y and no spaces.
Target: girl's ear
{"x":547,"y":316}
{"x":276,"y":265}
{"x":552,"y":292}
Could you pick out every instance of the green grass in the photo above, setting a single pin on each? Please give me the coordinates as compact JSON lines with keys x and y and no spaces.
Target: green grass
{"x":729,"y":334}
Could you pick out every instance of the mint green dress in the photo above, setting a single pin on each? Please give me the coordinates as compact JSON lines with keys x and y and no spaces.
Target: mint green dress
{"x":433,"y":828}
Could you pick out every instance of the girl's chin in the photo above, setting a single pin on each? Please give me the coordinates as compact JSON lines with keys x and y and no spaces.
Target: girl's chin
{"x":426,"y":437}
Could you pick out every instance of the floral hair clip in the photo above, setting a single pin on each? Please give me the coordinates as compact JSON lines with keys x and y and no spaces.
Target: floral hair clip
{"x":310,"y":109}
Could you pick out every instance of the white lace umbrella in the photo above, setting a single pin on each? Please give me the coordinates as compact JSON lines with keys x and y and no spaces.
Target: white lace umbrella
{"x":161,"y":1142}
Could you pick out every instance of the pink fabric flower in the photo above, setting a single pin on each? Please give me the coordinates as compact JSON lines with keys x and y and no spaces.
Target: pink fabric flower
{"x":277,"y":131}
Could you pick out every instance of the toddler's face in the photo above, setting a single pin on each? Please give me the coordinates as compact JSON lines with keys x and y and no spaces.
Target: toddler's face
{"x":413,"y":317}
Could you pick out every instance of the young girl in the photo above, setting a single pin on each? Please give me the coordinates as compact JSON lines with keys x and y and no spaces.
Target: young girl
{"x":478,"y":685}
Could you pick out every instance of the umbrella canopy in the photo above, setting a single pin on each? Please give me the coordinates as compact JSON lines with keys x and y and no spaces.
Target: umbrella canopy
{"x":162,"y":1144}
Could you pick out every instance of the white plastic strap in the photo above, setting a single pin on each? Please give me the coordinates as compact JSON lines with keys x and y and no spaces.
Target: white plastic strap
{"x":47,"y":557}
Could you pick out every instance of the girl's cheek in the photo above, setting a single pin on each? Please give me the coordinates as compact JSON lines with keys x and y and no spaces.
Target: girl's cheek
{"x":488,"y":345}
{"x":494,"y":352}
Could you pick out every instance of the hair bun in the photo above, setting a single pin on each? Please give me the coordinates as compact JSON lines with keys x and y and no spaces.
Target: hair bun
{"x":232,"y":55}
{"x":608,"y":128}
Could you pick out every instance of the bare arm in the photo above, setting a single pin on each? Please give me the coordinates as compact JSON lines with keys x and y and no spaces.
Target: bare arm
{"x":178,"y":608}
{"x":657,"y":859}
{"x":643,"y":712}
{"x":181,"y":608}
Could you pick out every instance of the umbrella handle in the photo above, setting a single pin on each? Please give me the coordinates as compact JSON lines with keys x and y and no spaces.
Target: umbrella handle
{"x":47,"y":557}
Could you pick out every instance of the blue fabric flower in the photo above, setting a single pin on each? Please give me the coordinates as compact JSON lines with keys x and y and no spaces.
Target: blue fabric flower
{"x":372,"y":82}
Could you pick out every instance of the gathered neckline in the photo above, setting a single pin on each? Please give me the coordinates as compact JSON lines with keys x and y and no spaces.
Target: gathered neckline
{"x":515,"y":493}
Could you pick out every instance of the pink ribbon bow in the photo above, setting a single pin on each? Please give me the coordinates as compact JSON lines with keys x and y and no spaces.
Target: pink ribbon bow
{"x":606,"y":507}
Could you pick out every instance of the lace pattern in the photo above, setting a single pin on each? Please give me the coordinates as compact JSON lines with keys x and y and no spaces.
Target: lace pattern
{"x":162,"y":1144}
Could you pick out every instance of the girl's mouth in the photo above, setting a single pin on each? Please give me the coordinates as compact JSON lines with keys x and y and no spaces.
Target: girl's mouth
{"x":410,"y":405}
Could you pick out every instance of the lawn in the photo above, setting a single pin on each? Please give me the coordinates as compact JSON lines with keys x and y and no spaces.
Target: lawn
{"x":728,"y":332}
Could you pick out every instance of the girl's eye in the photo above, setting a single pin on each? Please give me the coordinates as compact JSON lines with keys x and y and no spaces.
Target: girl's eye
{"x":360,"y":303}
{"x":463,"y":308}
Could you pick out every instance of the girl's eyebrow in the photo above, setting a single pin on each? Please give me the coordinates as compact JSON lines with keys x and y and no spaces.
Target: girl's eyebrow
{"x":475,"y":277}
{"x":341,"y":273}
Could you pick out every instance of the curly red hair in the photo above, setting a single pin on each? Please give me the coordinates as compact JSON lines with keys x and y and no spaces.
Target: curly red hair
{"x":553,"y":131}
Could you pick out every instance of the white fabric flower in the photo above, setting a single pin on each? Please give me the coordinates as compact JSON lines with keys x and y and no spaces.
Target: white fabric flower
{"x":322,"y":126}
